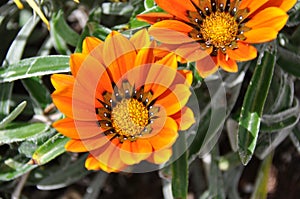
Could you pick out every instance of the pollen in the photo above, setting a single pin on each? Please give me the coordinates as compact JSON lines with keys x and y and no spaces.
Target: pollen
{"x":129,"y":117}
{"x":219,"y":29}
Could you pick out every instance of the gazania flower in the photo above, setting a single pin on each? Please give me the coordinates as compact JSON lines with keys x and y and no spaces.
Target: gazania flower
{"x":225,"y":29}
{"x":123,"y":104}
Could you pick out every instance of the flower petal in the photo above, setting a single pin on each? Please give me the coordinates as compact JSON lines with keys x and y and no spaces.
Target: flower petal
{"x":87,"y":144}
{"x":77,"y":129}
{"x":164,"y":137}
{"x":226,"y":63}
{"x":119,"y":54}
{"x":252,"y":5}
{"x":171,"y":32}
{"x":76,"y":61}
{"x":260,"y":35}
{"x":91,"y":163}
{"x":244,"y":52}
{"x":271,"y":17}
{"x":184,"y":118}
{"x":177,"y":8}
{"x":154,"y":17}
{"x":174,"y":99}
{"x":89,"y":44}
{"x":161,"y":156}
{"x":62,"y":82}
{"x":140,"y":39}
{"x":207,"y":66}
{"x":282,"y":4}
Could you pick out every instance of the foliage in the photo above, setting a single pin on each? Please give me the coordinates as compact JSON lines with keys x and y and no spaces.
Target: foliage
{"x":260,"y":112}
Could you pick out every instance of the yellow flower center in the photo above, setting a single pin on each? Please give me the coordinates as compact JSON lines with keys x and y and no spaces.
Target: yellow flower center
{"x":129,"y":117}
{"x":219,"y":29}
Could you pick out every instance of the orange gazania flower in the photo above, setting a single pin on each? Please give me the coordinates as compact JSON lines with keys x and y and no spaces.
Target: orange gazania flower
{"x":223,"y":28}
{"x":123,"y":104}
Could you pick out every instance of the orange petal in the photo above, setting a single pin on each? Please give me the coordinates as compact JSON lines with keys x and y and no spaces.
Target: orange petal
{"x":61,"y":82}
{"x":174,"y":99}
{"x":260,"y":35}
{"x":76,"y":61}
{"x":156,"y":79}
{"x":184,"y":118}
{"x":161,"y":156}
{"x":244,"y":52}
{"x":177,"y":8}
{"x":282,"y":4}
{"x":89,"y":43}
{"x":171,"y":32}
{"x":77,"y":129}
{"x":92,"y":163}
{"x":87,"y":144}
{"x":140,"y":39}
{"x":271,"y":17}
{"x":192,"y":52}
{"x":154,"y":17}
{"x":183,"y":77}
{"x":252,"y":5}
{"x":287,"y":4}
{"x":164,"y":137}
{"x":126,"y":153}
{"x":226,"y":63}
{"x":207,"y":66}
{"x":119,"y":54}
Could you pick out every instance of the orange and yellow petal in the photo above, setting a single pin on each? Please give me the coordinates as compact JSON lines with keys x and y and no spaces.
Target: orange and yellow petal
{"x":62,"y":82}
{"x":154,"y":17}
{"x":77,"y":129}
{"x":92,"y":163}
{"x":251,"y":5}
{"x":260,"y":35}
{"x":174,"y":99}
{"x":271,"y":17}
{"x":184,"y":118}
{"x":89,"y":44}
{"x":244,"y":52}
{"x":140,"y":39}
{"x":161,"y":156}
{"x":226,"y":63}
{"x":177,"y":8}
{"x":171,"y":32}
{"x":85,"y":145}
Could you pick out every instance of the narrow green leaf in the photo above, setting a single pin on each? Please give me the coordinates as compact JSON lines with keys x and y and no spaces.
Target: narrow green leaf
{"x":36,"y":66}
{"x":16,"y":49}
{"x":59,"y":43}
{"x":54,"y":147}
{"x":251,"y":113}
{"x":289,"y":61}
{"x":148,"y":4}
{"x":17,"y":170}
{"x":64,"y":175}
{"x":5,"y":96}
{"x":13,"y":114}
{"x":39,"y":94}
{"x":180,"y":169}
{"x":63,"y":29}
{"x":16,"y":132}
{"x":261,"y":184}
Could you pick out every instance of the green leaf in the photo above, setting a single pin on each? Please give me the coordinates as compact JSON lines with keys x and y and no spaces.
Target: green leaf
{"x":36,"y":66}
{"x":61,"y":27}
{"x":39,"y":94}
{"x":117,"y":8}
{"x":261,"y":184}
{"x":148,"y":4}
{"x":180,"y":169}
{"x":289,"y":61}
{"x":54,"y":147}
{"x":16,"y":132}
{"x":17,"y":111}
{"x":64,"y":175}
{"x":253,"y":104}
{"x":17,"y":170}
{"x":59,"y":43}
{"x":5,"y":96}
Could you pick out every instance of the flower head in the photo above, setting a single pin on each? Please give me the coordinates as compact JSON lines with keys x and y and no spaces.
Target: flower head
{"x":225,"y":29}
{"x":124,"y":102}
